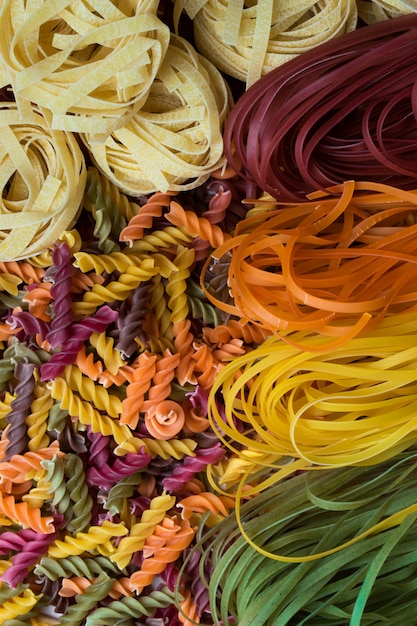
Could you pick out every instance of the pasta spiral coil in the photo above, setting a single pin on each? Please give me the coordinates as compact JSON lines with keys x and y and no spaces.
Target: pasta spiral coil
{"x":128,"y":608}
{"x":86,"y":542}
{"x":96,"y":394}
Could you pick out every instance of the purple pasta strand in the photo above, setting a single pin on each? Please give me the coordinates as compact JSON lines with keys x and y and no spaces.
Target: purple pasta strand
{"x":30,"y":324}
{"x":191,"y":466}
{"x":80,"y":332}
{"x":106,"y":476}
{"x":28,"y":556}
{"x":130,"y":324}
{"x":60,"y":328}
{"x":20,"y":407}
{"x":14,"y":541}
{"x":99,"y":450}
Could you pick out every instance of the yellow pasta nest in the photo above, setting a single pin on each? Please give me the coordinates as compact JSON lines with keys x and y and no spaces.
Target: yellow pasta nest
{"x":175,"y":141}
{"x":91,"y":63}
{"x":372,"y":11}
{"x":248,"y":38}
{"x":42,"y":180}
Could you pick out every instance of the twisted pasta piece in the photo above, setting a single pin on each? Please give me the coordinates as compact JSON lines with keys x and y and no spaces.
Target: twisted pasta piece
{"x":74,"y":566}
{"x":235,"y":329}
{"x":183,"y":341}
{"x":206,"y":501}
{"x":104,"y":346}
{"x":19,"y":409}
{"x":177,"y":284}
{"x":229,"y":350}
{"x":195,"y":420}
{"x":22,"y":513}
{"x":173,"y":448}
{"x":118,"y":261}
{"x":122,"y":490}
{"x":38,"y":299}
{"x":55,"y":477}
{"x":108,"y":220}
{"x":163,"y":532}
{"x":23,"y":561}
{"x":188,"y":613}
{"x":96,"y":394}
{"x":205,"y":365}
{"x":191,"y":466}
{"x":19,"y":465}
{"x":38,"y":417}
{"x":96,"y":537}
{"x":137,"y":388}
{"x":145,"y":216}
{"x":141,"y":530}
{"x":128,"y":608}
{"x":116,"y":290}
{"x":82,"y":502}
{"x":29,"y":274}
{"x":166,"y":420}
{"x":85,"y":602}
{"x":161,"y":388}
{"x":62,"y":318}
{"x":9,"y":283}
{"x":130,"y":324}
{"x":78,"y":584}
{"x":85,"y":413}
{"x":110,"y":195}
{"x":195,"y":226}
{"x":159,"y":308}
{"x":18,"y":605}
{"x":87,"y":365}
{"x":152,"y":566}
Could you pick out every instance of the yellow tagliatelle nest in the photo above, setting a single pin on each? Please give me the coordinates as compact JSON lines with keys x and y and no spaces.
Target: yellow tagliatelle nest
{"x":248,"y":39}
{"x":175,"y":141}
{"x":372,"y":11}
{"x":42,"y":180}
{"x":90,"y":63}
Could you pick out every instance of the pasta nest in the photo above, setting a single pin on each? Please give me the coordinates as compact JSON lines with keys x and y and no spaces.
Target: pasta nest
{"x":372,"y":11}
{"x":90,"y":63}
{"x":247,"y":39}
{"x":175,"y":141}
{"x":42,"y":180}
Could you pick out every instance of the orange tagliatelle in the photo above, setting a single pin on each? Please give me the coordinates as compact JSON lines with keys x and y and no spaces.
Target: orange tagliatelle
{"x":349,"y":253}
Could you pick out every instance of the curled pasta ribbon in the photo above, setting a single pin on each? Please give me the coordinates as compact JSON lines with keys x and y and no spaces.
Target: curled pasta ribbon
{"x":166,"y":420}
{"x":196,"y":226}
{"x":347,"y":256}
{"x":371,"y":11}
{"x":248,"y":40}
{"x":19,"y":605}
{"x":145,"y":216}
{"x":174,"y":448}
{"x":92,"y":64}
{"x":352,"y":405}
{"x":42,"y":182}
{"x":175,"y":140}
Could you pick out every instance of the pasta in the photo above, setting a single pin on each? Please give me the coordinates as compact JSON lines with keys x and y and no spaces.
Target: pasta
{"x":45,"y":196}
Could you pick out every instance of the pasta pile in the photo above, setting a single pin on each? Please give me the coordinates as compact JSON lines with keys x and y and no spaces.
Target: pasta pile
{"x":207,"y":366}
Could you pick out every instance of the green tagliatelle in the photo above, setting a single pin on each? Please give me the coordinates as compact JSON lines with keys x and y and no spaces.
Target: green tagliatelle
{"x":344,"y":544}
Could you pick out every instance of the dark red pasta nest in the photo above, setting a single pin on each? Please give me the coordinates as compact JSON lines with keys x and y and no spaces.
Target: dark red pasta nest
{"x":345,"y":110}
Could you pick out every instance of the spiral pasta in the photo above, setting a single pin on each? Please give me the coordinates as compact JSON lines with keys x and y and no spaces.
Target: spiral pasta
{"x":46,"y":193}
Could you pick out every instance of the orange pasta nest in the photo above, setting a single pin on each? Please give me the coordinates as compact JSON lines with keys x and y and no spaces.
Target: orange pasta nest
{"x":333,"y":265}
